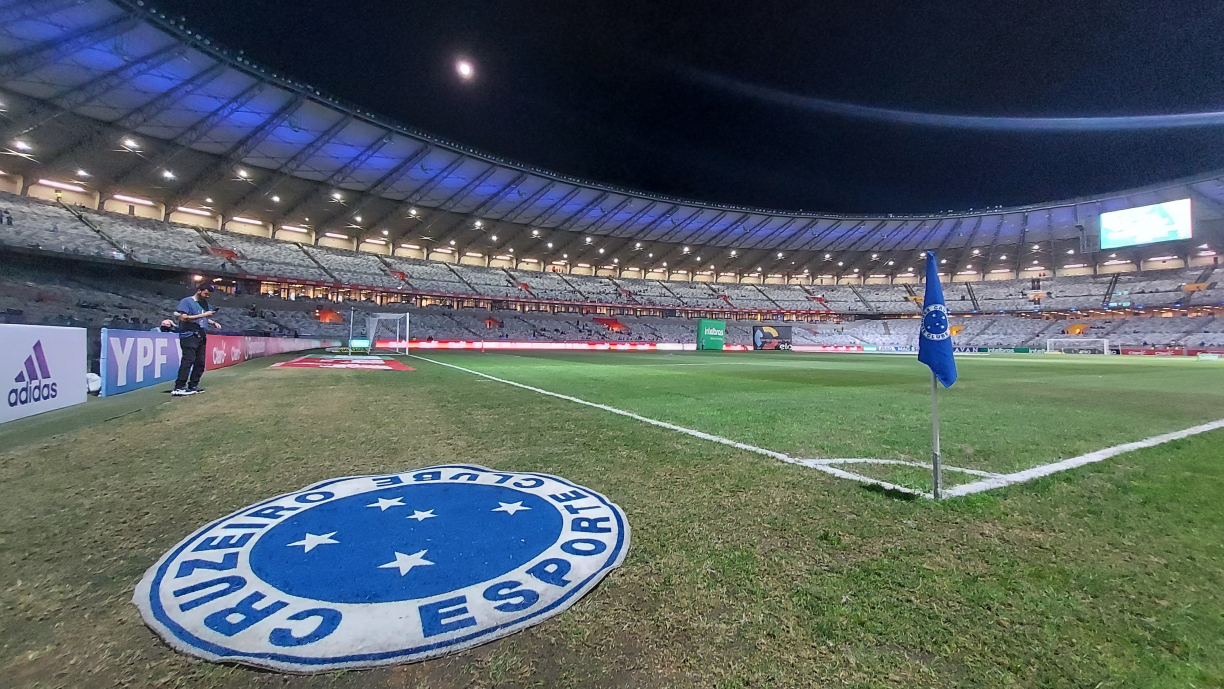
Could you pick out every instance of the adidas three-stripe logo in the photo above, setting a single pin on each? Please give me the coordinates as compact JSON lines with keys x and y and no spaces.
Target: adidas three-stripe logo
{"x":34,"y":380}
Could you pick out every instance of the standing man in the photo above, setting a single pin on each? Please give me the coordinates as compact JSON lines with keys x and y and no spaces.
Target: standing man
{"x":193,"y":313}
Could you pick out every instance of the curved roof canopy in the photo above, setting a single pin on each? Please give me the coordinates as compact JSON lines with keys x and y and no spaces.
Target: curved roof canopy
{"x":145,"y":106}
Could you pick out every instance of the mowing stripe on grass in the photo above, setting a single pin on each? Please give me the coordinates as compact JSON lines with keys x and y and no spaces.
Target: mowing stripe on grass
{"x":781,"y":456}
{"x":1090,"y":458}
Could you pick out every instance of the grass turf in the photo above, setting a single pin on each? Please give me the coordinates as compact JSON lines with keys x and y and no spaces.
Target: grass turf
{"x":743,"y":571}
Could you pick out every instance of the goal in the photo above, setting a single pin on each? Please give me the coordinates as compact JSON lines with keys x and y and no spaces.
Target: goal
{"x":391,"y":327}
{"x":1078,"y":345}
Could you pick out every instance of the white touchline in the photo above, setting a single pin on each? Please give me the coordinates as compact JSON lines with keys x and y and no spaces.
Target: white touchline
{"x":991,"y":480}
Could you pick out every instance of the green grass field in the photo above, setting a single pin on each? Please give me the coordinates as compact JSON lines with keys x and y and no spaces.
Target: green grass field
{"x":743,"y":571}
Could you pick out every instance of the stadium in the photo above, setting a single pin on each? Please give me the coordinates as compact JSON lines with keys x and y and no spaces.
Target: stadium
{"x":740,"y":385}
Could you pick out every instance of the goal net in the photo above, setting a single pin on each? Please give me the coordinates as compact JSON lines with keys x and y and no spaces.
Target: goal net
{"x":389,"y":328}
{"x":1078,"y":345}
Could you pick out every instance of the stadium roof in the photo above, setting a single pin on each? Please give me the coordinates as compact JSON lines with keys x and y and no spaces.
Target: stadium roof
{"x":146,"y":106}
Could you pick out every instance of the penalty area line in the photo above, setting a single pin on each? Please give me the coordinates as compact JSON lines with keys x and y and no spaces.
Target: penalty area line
{"x":780,"y":456}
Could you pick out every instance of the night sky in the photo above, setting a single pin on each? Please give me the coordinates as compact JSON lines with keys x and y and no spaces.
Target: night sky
{"x":667,"y":96}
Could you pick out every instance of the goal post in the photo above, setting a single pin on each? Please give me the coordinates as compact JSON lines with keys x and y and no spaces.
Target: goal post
{"x":388,"y":326}
{"x":1078,"y":345}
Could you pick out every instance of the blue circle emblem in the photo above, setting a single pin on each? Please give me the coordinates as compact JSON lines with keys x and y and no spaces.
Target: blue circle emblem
{"x":935,"y":322}
{"x":374,"y":570}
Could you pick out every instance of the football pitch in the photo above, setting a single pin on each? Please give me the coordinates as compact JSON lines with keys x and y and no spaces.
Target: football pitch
{"x":744,"y":571}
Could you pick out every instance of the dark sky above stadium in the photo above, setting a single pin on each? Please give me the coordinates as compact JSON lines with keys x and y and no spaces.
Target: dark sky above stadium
{"x":848,"y":106}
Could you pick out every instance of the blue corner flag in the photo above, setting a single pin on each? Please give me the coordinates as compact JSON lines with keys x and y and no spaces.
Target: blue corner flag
{"x":935,"y":340}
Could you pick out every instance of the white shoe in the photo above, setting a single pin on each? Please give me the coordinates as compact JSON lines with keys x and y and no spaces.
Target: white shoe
{"x":181,"y":392}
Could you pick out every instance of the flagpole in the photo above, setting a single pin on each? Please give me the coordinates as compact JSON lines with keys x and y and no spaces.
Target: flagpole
{"x":936,"y":465}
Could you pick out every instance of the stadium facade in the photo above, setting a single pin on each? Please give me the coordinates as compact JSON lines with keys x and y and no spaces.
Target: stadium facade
{"x":114,"y":106}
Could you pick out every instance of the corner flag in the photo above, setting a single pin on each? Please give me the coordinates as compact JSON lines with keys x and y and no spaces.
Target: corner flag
{"x":935,"y":340}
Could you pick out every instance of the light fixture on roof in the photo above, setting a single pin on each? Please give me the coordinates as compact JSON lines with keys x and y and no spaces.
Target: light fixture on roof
{"x":60,"y":185}
{"x":779,"y":254}
{"x":479,"y":223}
{"x":293,"y":228}
{"x":194,"y":211}
{"x":874,"y":256}
{"x":337,"y":195}
{"x":564,"y":255}
{"x":841,"y":263}
{"x":245,"y":221}
{"x":649,"y":255}
{"x":130,"y":143}
{"x":334,"y":235}
{"x":615,"y":260}
{"x":550,"y":245}
{"x":665,"y":264}
{"x":733,"y":252}
{"x":412,"y":211}
{"x":275,"y":199}
{"x":601,"y":251}
{"x":943,"y":260}
{"x":1070,"y":251}
{"x":81,"y":173}
{"x":828,"y":256}
{"x":511,"y":249}
{"x":494,"y":238}
{"x":208,"y":200}
{"x":465,"y":69}
{"x":385,"y":233}
{"x":22,"y":145}
{"x":890,"y":263}
{"x":1034,"y":262}
{"x":856,"y":270}
{"x":243,"y":173}
{"x":356,"y":218}
{"x":134,"y":200}
{"x":1003,"y":257}
{"x":452,"y":242}
{"x":1036,"y":247}
{"x":976,"y":252}
{"x":698,"y":259}
{"x":637,"y":245}
{"x":588,"y":240}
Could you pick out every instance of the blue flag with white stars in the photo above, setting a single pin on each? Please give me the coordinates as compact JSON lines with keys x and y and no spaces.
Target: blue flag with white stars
{"x":935,"y":339}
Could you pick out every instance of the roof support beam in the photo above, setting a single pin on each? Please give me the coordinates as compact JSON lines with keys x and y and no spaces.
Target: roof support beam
{"x":336,"y":178}
{"x":422,"y":191}
{"x":192,"y":134}
{"x":21,"y":11}
{"x":581,"y":212}
{"x":66,"y":101}
{"x":39,"y":55}
{"x":289,"y":167}
{"x":454,"y":200}
{"x":239,"y":151}
{"x":548,"y":213}
{"x":375,"y":192}
{"x":136,"y":118}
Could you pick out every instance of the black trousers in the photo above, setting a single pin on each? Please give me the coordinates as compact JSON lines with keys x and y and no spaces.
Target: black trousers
{"x":192,"y":365}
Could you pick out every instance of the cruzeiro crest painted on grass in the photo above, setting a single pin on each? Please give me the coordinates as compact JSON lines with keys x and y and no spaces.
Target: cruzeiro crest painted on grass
{"x":374,"y":570}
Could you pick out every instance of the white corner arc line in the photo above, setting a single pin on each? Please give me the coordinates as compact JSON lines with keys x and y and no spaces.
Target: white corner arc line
{"x":1073,"y":462}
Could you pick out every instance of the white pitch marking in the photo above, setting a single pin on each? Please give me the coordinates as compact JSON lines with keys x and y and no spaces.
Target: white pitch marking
{"x":992,"y":480}
{"x":1090,"y":458}
{"x":780,"y":456}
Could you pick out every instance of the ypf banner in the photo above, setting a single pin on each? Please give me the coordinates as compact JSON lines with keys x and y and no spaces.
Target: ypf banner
{"x":42,"y":368}
{"x":133,"y":359}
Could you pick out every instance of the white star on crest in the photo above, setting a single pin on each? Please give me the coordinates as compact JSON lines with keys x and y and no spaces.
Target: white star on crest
{"x":405,"y":563}
{"x":384,"y":503}
{"x":311,"y":540}
{"x":422,"y":516}
{"x":510,"y":507}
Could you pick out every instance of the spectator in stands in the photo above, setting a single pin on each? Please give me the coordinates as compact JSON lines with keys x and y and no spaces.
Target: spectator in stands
{"x":8,"y":217}
{"x":193,"y":314}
